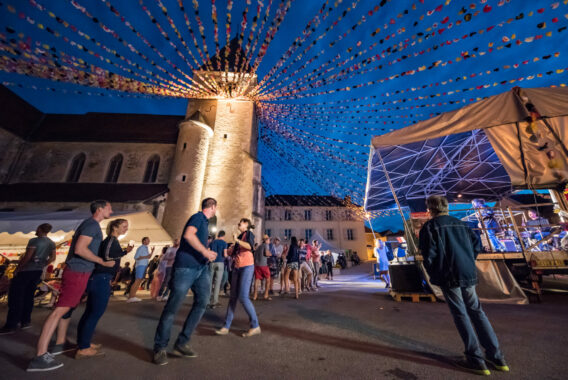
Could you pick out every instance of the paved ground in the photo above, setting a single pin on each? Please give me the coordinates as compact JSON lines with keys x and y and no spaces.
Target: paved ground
{"x":349,"y":330}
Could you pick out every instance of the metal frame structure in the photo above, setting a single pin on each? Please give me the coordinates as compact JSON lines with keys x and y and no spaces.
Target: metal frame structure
{"x":461,"y":167}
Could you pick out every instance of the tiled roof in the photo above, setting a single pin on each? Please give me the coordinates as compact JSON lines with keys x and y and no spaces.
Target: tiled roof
{"x":30,"y":124}
{"x":305,"y":200}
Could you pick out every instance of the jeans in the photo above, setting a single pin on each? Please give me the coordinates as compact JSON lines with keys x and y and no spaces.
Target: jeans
{"x":165,"y":287}
{"x":21,"y":297}
{"x":183,"y":279}
{"x":470,"y":319}
{"x":240,"y":289}
{"x":98,"y":291}
{"x":217,"y":270}
{"x":225,"y":279}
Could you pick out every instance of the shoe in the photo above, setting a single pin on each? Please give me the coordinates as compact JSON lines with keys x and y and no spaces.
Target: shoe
{"x":58,"y":349}
{"x":252,"y":332}
{"x":96,"y":346}
{"x":8,"y":330}
{"x":164,"y":299}
{"x":88,"y":353}
{"x":133,"y":299}
{"x":160,"y":357}
{"x":222,"y":331}
{"x":478,"y":369}
{"x":159,"y":299}
{"x":498,"y":364}
{"x":45,"y":362}
{"x":184,"y":350}
{"x":25,"y":326}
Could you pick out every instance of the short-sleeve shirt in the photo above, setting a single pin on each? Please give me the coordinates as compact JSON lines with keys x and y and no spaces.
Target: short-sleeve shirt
{"x":91,"y":228}
{"x":187,"y":256}
{"x":140,"y":252}
{"x":43,"y":248}
{"x":244,"y":257}
{"x":278,"y":249}
{"x":259,"y":259}
{"x":219,"y":246}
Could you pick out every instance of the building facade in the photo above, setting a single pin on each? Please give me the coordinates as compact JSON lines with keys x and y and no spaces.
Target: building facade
{"x":340,"y":222}
{"x":162,"y":164}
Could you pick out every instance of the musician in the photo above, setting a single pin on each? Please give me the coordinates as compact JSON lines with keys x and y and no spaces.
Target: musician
{"x":487,"y":217}
{"x":537,"y":225}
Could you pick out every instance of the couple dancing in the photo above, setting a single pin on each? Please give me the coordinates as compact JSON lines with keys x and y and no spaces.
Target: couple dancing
{"x":191,"y":271}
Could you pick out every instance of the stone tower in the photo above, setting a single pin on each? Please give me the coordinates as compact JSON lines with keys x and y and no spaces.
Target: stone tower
{"x":216,"y":154}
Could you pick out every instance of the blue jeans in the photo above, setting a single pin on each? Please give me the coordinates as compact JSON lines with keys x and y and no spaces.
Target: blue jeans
{"x":98,"y":290}
{"x":470,"y":319}
{"x":240,"y":289}
{"x":183,"y":279}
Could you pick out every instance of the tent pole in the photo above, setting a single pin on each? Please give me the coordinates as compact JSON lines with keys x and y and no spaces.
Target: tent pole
{"x":407,"y":228}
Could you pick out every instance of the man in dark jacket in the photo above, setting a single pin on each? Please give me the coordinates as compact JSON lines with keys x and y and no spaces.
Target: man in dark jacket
{"x":449,"y":248}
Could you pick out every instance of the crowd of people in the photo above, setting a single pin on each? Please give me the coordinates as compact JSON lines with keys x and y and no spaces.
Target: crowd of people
{"x":92,"y":271}
{"x":206,"y":265}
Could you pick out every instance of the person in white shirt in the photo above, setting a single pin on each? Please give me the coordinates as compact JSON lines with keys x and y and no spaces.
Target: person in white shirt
{"x":142,"y":257}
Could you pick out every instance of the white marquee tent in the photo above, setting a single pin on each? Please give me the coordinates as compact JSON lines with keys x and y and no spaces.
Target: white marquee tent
{"x":16,"y":228}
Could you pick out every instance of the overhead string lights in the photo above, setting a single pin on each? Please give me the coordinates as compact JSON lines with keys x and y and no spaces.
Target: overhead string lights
{"x":325,"y":76}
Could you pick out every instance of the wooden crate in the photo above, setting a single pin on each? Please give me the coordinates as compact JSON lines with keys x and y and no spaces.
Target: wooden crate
{"x":414,"y":297}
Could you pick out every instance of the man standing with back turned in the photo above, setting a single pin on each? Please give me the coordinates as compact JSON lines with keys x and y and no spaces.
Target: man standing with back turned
{"x":190,"y":271}
{"x":449,"y":248}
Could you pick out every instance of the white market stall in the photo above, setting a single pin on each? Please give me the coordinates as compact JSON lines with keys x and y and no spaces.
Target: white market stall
{"x":16,"y":228}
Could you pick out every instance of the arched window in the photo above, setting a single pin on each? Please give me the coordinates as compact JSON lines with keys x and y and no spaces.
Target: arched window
{"x":151,"y":169}
{"x":114,"y":169}
{"x":76,"y":168}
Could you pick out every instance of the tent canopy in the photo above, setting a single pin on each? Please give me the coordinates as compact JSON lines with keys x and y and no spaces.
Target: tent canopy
{"x":325,"y":245}
{"x":16,"y":228}
{"x":502,"y":109}
{"x":481,"y":150}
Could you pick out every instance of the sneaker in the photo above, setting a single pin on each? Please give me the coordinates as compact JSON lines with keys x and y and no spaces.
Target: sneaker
{"x":498,"y":364}
{"x":477,"y":368}
{"x":8,"y":330}
{"x":45,"y":362}
{"x":252,"y":332}
{"x":184,"y":350}
{"x":25,"y":326}
{"x":160,"y":357}
{"x":222,"y":331}
{"x":58,"y":349}
{"x":133,"y":299}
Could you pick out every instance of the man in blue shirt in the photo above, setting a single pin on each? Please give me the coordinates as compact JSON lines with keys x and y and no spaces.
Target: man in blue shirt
{"x":190,"y":271}
{"x":142,"y":257}
{"x":217,"y":267}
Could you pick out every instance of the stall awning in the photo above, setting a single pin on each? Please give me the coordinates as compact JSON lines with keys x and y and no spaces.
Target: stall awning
{"x":16,"y":228}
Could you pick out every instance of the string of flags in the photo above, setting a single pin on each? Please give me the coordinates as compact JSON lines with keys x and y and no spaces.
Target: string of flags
{"x":326,"y":76}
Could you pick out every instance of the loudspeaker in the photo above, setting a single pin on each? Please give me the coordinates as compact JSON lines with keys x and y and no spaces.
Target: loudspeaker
{"x":405,"y":278}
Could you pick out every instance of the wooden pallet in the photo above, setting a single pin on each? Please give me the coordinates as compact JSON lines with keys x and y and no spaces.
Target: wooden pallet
{"x":414,"y":297}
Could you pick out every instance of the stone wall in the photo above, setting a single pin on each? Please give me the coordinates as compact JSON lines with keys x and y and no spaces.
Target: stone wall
{"x":229,"y":176}
{"x":10,"y":145}
{"x":51,"y":161}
